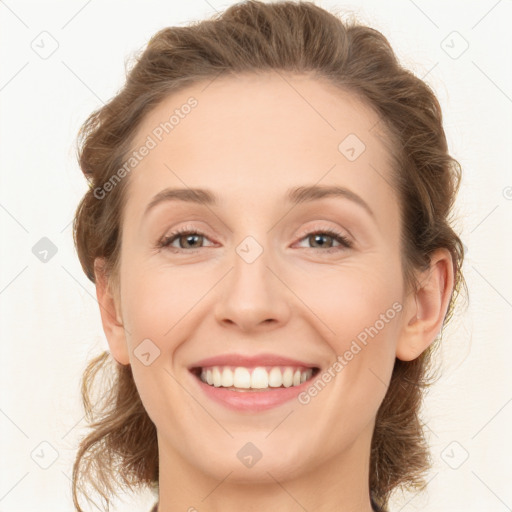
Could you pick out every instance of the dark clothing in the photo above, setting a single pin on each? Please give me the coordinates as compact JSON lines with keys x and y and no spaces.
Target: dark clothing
{"x":374,"y":507}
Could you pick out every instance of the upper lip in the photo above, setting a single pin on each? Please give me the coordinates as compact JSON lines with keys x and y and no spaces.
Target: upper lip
{"x":250,"y":361}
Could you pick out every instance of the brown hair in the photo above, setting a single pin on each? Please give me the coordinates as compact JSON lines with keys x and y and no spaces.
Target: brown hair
{"x":254,"y":37}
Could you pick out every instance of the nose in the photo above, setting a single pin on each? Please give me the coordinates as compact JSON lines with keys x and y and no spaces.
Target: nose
{"x":253,"y":297}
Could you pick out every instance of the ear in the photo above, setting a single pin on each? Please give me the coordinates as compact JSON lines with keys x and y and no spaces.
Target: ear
{"x":110,"y":314}
{"x":426,"y":307}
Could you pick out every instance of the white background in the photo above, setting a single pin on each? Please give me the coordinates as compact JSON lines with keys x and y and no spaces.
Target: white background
{"x":50,"y":322}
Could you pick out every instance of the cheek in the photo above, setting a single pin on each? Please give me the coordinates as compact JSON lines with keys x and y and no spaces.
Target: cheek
{"x":156,"y":300}
{"x":352,"y":299}
{"x":359,"y":312}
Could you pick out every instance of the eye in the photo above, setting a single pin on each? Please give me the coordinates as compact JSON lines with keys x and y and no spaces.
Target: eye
{"x":186,"y":238}
{"x":317,"y":237}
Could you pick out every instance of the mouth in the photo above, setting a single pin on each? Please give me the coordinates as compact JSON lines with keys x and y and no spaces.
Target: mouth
{"x":252,"y":383}
{"x":254,"y":379}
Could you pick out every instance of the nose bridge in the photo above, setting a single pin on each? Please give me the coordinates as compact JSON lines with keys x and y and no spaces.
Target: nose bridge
{"x":252,"y":295}
{"x":251,"y":267}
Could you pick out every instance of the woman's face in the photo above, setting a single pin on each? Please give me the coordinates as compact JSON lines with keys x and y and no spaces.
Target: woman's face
{"x":263,"y":282}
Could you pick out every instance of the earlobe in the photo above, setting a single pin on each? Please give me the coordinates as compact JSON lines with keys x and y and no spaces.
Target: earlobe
{"x":110,"y":314}
{"x":427,"y":306}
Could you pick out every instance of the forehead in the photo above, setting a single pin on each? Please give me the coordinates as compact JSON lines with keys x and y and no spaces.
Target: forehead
{"x":244,"y":135}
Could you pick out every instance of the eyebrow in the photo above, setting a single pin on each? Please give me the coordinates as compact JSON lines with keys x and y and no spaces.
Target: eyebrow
{"x":295,"y":196}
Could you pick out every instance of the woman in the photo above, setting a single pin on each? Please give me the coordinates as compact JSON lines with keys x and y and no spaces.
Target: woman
{"x":268,"y":231}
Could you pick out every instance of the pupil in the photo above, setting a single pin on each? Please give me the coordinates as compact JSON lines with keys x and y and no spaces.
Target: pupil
{"x":191,"y":237}
{"x":319,"y":237}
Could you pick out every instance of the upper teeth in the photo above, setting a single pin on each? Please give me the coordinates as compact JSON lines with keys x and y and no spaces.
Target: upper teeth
{"x":256,"y":378}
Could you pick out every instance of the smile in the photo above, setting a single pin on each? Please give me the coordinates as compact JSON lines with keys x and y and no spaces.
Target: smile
{"x":242,"y":378}
{"x":252,"y":383}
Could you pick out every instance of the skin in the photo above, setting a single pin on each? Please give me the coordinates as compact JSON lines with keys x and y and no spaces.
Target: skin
{"x":249,"y":140}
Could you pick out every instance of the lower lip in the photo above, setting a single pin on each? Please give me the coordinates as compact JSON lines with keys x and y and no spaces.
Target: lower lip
{"x":252,"y":401}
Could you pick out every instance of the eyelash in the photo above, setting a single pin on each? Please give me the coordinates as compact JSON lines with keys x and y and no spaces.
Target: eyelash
{"x":167,"y":240}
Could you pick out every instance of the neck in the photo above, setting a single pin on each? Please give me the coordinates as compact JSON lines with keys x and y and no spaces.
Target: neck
{"x":339,"y":484}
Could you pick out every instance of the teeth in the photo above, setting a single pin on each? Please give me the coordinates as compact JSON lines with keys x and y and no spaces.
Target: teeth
{"x":275,"y":378}
{"x":242,"y":378}
{"x":259,"y":378}
{"x":216,"y":376}
{"x":255,"y":378}
{"x":288,"y":377}
{"x":227,"y":378}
